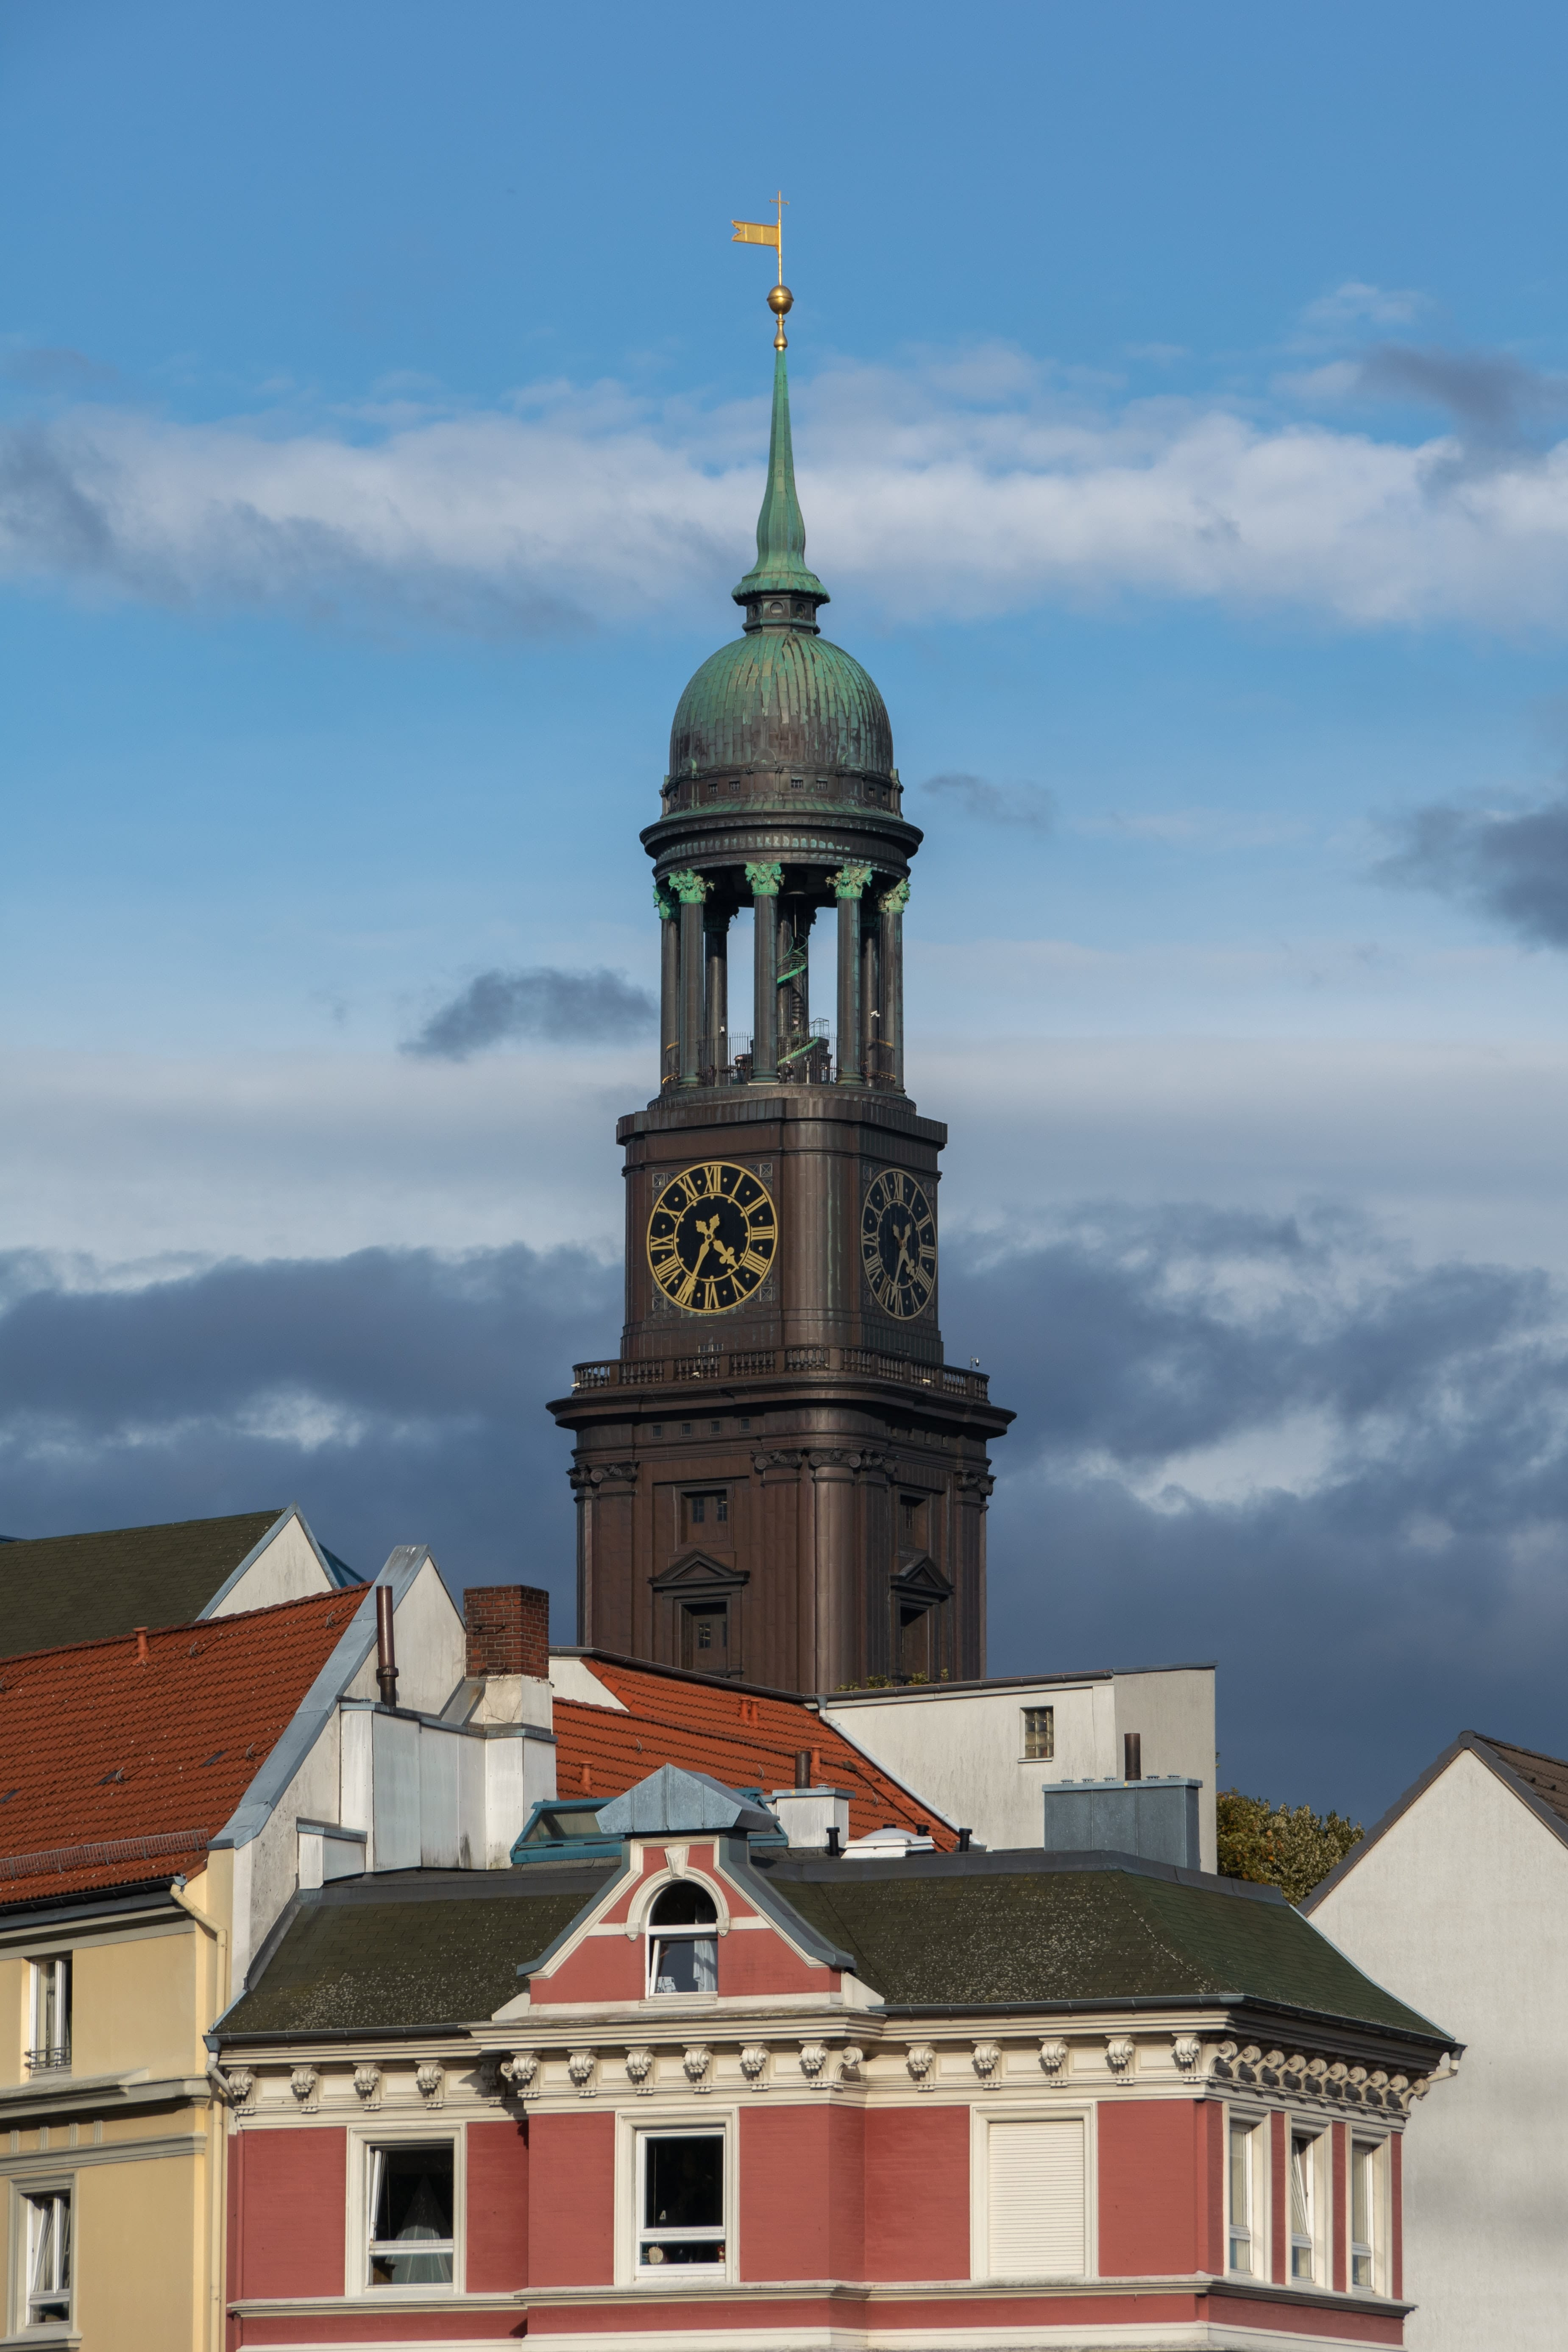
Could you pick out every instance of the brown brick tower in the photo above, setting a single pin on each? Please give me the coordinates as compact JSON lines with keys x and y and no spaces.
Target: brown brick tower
{"x":779,"y":1478}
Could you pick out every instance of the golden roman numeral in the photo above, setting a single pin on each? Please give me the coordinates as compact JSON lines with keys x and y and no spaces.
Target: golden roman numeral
{"x":684,"y":1294}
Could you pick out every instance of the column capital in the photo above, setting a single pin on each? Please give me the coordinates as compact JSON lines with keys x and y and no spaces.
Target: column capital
{"x":689,"y":887}
{"x":894,"y":901}
{"x":663,"y":902}
{"x":850,"y":881}
{"x":766,"y":880}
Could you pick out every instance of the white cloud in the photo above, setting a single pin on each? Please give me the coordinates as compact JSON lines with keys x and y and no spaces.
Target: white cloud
{"x":974,"y":484}
{"x":1357,"y":304}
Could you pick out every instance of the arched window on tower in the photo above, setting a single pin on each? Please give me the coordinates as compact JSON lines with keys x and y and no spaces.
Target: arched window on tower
{"x":682,"y":1944}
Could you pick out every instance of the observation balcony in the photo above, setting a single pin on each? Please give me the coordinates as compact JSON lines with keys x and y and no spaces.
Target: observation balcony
{"x":759,"y":1363}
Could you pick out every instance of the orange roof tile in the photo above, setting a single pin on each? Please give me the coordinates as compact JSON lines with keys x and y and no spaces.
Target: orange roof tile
{"x":746,"y":1738}
{"x":117,"y":1765}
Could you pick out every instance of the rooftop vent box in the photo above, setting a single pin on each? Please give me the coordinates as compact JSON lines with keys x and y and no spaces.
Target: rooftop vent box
{"x":1155,"y":1818}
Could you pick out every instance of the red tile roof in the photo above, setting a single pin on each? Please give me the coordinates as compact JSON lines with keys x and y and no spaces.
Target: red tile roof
{"x":120,"y":1759}
{"x":747,"y":1738}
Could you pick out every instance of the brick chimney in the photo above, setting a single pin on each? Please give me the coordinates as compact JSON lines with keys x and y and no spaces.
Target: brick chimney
{"x":507,"y":1628}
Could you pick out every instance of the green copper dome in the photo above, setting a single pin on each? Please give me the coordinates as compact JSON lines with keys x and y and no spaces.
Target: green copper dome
{"x":781,"y":698}
{"x":781,"y":695}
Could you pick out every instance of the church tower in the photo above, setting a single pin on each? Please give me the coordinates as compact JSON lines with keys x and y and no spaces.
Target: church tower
{"x":779,"y":1478}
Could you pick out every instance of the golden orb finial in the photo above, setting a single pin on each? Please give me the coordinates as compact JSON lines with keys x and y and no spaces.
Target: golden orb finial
{"x":780,"y":299}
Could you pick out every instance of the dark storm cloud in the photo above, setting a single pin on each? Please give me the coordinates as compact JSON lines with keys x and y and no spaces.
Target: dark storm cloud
{"x":589,"y":1008}
{"x":1406,"y":1577}
{"x":1028,"y":807}
{"x":396,"y":1395}
{"x":1512,"y":866}
{"x":1489,"y":394}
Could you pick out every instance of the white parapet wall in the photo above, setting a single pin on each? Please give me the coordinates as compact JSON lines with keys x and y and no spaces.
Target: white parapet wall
{"x":964,"y":1746}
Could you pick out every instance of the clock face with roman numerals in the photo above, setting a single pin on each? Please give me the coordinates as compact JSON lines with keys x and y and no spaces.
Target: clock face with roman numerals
{"x":898,"y":1243}
{"x":712,"y":1237}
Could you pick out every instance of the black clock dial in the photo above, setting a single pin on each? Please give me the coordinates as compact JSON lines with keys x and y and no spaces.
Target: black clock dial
{"x":898,"y":1243}
{"x":712,"y":1237}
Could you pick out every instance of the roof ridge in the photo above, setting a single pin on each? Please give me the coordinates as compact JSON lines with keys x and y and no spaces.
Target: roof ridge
{"x":153,"y":1526}
{"x":353,"y":1594}
{"x":1517,"y":1747}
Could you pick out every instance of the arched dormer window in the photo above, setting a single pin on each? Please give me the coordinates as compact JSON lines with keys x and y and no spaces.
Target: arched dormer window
{"x":682,"y":1940}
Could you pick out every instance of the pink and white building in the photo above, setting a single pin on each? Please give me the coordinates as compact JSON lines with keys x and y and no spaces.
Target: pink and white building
{"x":684,"y":2072}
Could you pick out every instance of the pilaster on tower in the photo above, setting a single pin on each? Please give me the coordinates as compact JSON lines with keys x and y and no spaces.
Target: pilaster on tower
{"x":780,"y":1477}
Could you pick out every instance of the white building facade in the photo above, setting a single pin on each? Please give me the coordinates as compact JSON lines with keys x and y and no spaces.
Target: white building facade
{"x":1458,"y":1902}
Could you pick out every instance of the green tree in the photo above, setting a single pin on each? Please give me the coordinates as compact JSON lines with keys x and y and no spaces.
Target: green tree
{"x":1291,"y":1847}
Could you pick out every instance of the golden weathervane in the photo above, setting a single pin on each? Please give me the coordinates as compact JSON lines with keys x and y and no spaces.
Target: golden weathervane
{"x":780,"y":299}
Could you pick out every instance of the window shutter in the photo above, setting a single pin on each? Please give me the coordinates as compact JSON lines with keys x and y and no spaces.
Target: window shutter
{"x":1035,"y":2199}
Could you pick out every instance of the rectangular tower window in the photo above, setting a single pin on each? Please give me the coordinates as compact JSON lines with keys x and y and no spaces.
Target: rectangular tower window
{"x":1040,"y":1733}
{"x":51,"y":2020}
{"x":712,"y":1510}
{"x":705,"y":1637}
{"x":912,"y":1519}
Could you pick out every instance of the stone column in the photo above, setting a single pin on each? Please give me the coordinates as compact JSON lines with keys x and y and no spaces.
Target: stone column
{"x":668,"y":984}
{"x":691,"y":889}
{"x":848,"y":884}
{"x":893,"y":905}
{"x":833,"y":1480}
{"x":715,"y":988}
{"x":764,"y":881}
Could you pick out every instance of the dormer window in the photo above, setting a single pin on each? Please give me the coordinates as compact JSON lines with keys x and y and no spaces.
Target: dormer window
{"x":682,"y":1941}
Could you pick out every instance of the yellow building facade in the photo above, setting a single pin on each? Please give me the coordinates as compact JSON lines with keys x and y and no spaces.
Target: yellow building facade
{"x":112,"y":2133}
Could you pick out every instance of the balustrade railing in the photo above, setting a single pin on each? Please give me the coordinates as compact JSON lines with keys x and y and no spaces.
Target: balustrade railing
{"x":758,"y":1363}
{"x":805,"y":1058}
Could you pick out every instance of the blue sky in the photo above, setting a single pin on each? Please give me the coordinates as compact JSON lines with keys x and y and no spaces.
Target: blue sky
{"x":1180,"y":404}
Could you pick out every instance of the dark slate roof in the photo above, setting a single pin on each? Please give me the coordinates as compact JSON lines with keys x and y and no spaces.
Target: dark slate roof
{"x":409,"y":1949}
{"x":88,"y":1588}
{"x":1025,"y":1930}
{"x":935,"y":1932}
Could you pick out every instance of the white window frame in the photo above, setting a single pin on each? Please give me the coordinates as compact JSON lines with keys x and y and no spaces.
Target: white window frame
{"x":397,"y":2131}
{"x":691,"y":2119}
{"x":1253,"y":2126}
{"x":1315,"y":2140}
{"x":1375,"y":2249}
{"x":1083,"y":2111}
{"x":49,"y":1980}
{"x":705,"y":1932}
{"x":30,"y":2197}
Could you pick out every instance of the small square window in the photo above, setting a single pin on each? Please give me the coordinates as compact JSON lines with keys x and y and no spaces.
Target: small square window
{"x":686,"y":1429}
{"x":51,"y":2016}
{"x":680,"y":2198}
{"x":716,"y":1427}
{"x":1040,"y":1733}
{"x":745,"y":1421}
{"x":49,"y":2258}
{"x":411,"y":2214}
{"x":659,"y":1429}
